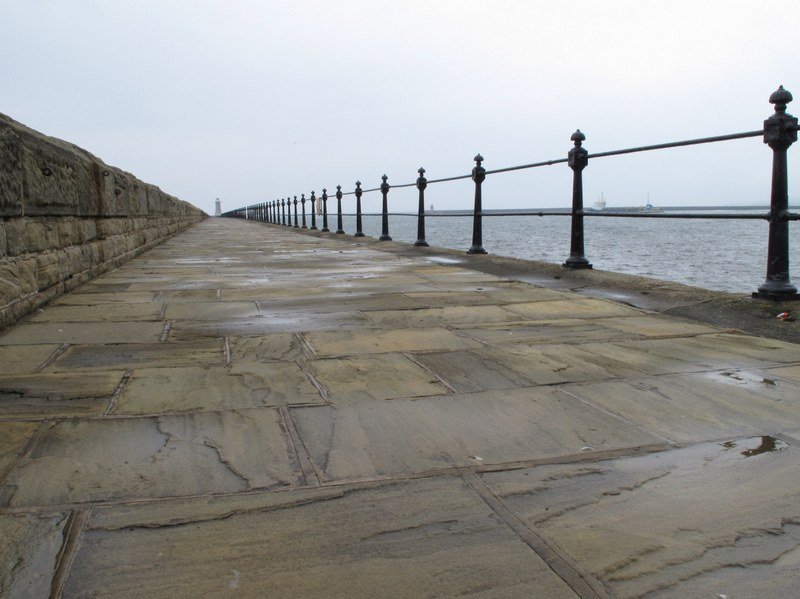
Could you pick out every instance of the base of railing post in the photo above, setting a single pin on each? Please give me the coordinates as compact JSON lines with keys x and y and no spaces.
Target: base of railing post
{"x":579,"y":262}
{"x":777,"y":292}
{"x":475,"y":249}
{"x":420,"y":243}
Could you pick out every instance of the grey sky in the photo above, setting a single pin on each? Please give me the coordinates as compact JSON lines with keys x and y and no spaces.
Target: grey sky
{"x":252,"y":101}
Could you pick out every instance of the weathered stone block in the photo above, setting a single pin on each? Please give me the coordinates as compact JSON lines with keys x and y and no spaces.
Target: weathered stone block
{"x":56,"y":178}
{"x":70,"y":232}
{"x":10,"y":172}
{"x":17,"y":278}
{"x":47,"y":269}
{"x":24,"y":235}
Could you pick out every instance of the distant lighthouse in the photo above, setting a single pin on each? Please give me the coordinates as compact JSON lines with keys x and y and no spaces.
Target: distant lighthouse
{"x":218,"y":208}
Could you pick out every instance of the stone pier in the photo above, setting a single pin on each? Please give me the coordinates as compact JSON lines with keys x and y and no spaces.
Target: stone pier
{"x":245,"y":410}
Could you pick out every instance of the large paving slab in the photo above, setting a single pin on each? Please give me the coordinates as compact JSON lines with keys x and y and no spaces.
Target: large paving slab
{"x":425,"y":538}
{"x":102,"y":460}
{"x":356,"y":442}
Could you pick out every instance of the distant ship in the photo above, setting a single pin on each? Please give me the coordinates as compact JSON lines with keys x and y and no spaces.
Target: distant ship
{"x":600,"y":205}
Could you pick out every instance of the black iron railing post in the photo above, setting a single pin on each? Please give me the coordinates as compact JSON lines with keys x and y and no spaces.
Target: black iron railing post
{"x":303,"y":206}
{"x":296,"y":226}
{"x":339,"y":229}
{"x":358,"y":192}
{"x":385,"y":211}
{"x":283,"y":211}
{"x":324,"y":198}
{"x":577,"y":158}
{"x":269,"y":212}
{"x":313,"y":211}
{"x":289,"y":207}
{"x":422,"y":183}
{"x":478,"y":175}
{"x":780,"y":132}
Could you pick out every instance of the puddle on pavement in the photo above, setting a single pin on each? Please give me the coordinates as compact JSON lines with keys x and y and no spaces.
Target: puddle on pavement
{"x":443,"y":260}
{"x":742,"y":378}
{"x":754,"y":446}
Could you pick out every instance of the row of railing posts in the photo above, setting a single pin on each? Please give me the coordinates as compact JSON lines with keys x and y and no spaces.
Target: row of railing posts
{"x":780,"y":132}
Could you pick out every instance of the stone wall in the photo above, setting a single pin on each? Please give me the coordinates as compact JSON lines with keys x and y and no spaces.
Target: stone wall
{"x":67,"y":217}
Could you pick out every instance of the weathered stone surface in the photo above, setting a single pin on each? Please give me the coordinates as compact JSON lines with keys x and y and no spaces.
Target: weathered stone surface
{"x":94,"y":460}
{"x":139,"y":355}
{"x":10,"y":172}
{"x":118,"y":312}
{"x":266,"y":348}
{"x":24,"y":359}
{"x":382,"y":376}
{"x":313,"y":451}
{"x":423,"y":538}
{"x":14,"y":437}
{"x":29,"y":545}
{"x":211,"y":311}
{"x":86,"y":333}
{"x":694,"y":407}
{"x":431,"y":317}
{"x":571,"y":308}
{"x":17,"y":278}
{"x":159,"y":390}
{"x":350,"y":343}
{"x":675,"y":523}
{"x":368,"y":439}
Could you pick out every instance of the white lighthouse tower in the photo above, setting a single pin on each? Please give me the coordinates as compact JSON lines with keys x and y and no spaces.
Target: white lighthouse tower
{"x":217,"y":208}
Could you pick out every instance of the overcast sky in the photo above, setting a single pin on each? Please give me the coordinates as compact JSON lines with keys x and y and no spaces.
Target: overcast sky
{"x":255,"y":100}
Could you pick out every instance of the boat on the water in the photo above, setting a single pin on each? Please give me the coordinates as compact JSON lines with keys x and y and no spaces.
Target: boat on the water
{"x":601,"y":206}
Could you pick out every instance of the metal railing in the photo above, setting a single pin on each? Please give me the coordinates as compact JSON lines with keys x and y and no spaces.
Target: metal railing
{"x":779,"y":132}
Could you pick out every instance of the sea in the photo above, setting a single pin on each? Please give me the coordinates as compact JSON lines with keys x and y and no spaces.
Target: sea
{"x":724,"y":255}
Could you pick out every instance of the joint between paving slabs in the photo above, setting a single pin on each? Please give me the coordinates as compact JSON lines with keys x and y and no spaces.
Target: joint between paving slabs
{"x":165,"y":331}
{"x":446,"y":384}
{"x":118,"y":391}
{"x":305,"y":346}
{"x":614,"y":415}
{"x":323,"y":392}
{"x":52,"y":357}
{"x":300,"y":450}
{"x":583,"y":583}
{"x":226,"y":348}
{"x":76,"y":522}
{"x":163,"y":312}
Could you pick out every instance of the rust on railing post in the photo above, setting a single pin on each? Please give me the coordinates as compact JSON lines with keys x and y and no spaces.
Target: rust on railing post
{"x":313,"y":212}
{"x":385,"y":211}
{"x":780,"y":132}
{"x":577,"y":158}
{"x":339,"y":229}
{"x":478,"y":175}
{"x":422,"y":183}
{"x":358,"y":192}
{"x":324,"y":198}
{"x":296,"y":226}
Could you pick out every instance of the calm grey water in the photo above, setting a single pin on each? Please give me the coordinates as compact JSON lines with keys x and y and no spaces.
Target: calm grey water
{"x":726,"y":255}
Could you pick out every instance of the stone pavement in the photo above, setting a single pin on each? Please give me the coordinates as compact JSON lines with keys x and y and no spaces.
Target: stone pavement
{"x":247,"y":411}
